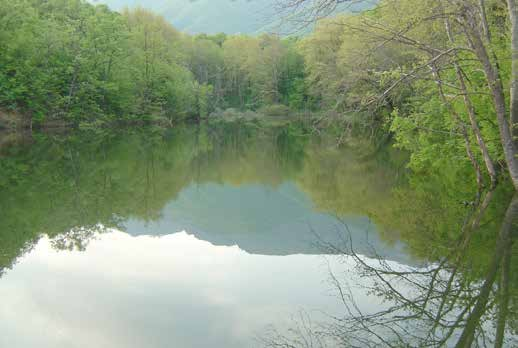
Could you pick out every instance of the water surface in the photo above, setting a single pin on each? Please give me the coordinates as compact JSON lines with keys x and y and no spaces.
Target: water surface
{"x":229,"y":235}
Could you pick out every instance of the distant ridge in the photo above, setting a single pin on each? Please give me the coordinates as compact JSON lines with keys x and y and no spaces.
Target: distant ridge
{"x":208,"y":16}
{"x":217,"y":16}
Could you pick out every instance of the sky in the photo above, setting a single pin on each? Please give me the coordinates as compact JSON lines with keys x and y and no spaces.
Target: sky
{"x":171,"y":291}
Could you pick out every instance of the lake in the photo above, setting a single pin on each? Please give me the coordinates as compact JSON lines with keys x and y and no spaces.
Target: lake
{"x":245,"y":235}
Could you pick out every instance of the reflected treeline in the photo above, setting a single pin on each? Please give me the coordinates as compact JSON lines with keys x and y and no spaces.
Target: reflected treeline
{"x":84,"y":181}
{"x":72,"y":186}
{"x":466,"y":298}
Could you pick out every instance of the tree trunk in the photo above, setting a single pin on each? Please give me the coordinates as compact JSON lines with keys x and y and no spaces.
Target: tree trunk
{"x":497,"y":92}
{"x":474,"y":126}
{"x":461,"y":125}
{"x":504,"y":239}
{"x":513,"y":16}
{"x":503,"y":301}
{"x":471,"y":110}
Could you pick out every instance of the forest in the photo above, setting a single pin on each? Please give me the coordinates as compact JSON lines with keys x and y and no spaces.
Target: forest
{"x":392,"y":120}
{"x":73,"y":61}
{"x":434,"y":76}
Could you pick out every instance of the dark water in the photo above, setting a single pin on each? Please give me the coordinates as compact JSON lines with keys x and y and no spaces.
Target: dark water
{"x":234,"y":235}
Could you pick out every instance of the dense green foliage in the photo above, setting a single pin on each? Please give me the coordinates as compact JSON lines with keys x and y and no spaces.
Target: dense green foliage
{"x":390,"y":69}
{"x":75,"y":62}
{"x":69,"y":60}
{"x":384,"y":58}
{"x":434,"y":75}
{"x":55,"y":184}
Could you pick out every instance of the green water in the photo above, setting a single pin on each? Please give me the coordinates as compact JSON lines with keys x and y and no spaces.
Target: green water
{"x":228,"y":235}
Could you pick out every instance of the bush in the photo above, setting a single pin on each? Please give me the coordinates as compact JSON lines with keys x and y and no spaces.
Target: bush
{"x":275,"y":110}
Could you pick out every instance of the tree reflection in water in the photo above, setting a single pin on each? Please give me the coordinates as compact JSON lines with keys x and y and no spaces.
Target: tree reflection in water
{"x":72,"y":186}
{"x":444,"y":303}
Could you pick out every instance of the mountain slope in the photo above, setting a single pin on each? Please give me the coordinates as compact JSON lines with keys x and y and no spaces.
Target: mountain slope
{"x":208,"y":16}
{"x":216,"y":16}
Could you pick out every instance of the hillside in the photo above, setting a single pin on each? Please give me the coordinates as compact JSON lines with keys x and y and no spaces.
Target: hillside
{"x":208,"y":16}
{"x":215,"y":16}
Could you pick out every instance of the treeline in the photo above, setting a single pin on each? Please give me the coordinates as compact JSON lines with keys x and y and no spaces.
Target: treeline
{"x":73,"y":61}
{"x":436,"y":74}
{"x":68,"y":184}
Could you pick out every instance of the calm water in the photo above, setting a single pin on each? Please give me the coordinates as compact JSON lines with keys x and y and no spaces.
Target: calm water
{"x":241,"y":236}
